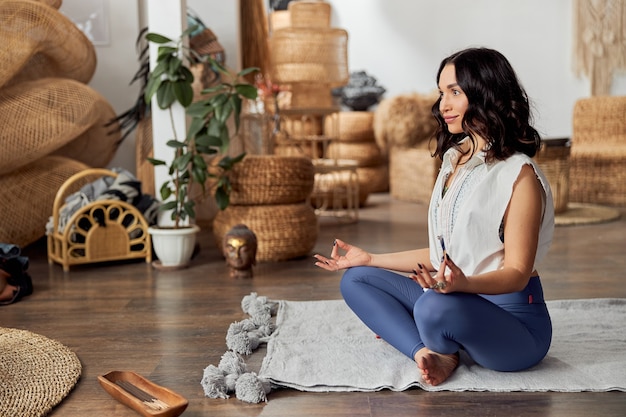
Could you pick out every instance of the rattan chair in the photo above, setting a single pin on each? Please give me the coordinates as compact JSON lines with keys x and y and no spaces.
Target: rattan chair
{"x":598,"y":152}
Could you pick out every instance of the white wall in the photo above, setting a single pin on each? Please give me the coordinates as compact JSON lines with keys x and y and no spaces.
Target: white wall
{"x":400,"y":42}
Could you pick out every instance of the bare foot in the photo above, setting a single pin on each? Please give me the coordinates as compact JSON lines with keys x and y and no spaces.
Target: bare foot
{"x":435,"y":367}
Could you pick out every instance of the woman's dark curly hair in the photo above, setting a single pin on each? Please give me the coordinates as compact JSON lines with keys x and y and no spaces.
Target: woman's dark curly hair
{"x":498,"y":107}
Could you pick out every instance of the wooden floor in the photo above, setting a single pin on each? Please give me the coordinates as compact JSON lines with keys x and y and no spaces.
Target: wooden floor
{"x":168,"y":326}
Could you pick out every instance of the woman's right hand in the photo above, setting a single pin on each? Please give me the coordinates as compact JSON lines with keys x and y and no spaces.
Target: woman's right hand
{"x":354,"y":256}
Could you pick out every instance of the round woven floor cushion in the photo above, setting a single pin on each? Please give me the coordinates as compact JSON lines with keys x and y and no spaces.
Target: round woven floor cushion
{"x":270,"y":179}
{"x":283,"y":231}
{"x":352,"y":126}
{"x":364,"y":153}
{"x":375,"y":179}
{"x":28,"y":195}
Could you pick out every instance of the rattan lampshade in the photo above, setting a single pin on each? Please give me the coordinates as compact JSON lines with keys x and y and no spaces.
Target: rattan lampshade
{"x":305,"y":55}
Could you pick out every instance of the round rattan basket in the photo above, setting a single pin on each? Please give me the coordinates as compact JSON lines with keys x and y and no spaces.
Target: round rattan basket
{"x":353,"y":126}
{"x":270,"y":179}
{"x":284,"y":231}
{"x":365,"y":153}
{"x":373,"y":179}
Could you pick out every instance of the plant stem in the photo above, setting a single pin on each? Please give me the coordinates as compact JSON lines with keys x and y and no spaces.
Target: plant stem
{"x":176,"y":175}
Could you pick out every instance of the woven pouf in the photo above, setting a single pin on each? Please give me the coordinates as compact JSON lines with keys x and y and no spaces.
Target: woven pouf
{"x":270,"y":179}
{"x":36,"y":373}
{"x":283,"y":231}
{"x":375,"y":179}
{"x":353,"y":126}
{"x":412,"y":174}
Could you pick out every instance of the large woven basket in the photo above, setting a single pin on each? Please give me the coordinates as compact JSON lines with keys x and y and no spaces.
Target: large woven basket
{"x":553,"y":160}
{"x":28,"y":194}
{"x":54,"y":115}
{"x":366,"y":154}
{"x":271,"y":179}
{"x":283,"y":231}
{"x":412,"y":174}
{"x":352,"y":126}
{"x":38,"y":41}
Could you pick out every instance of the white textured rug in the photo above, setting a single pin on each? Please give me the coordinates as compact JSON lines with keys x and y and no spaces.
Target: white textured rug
{"x":322,"y":346}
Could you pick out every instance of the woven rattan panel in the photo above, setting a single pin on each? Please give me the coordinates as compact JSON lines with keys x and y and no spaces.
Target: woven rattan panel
{"x":28,"y":194}
{"x":54,"y":115}
{"x":597,"y":170}
{"x":38,"y":41}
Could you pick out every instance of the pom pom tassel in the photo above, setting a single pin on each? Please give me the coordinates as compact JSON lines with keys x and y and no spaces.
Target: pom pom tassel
{"x":252,"y":389}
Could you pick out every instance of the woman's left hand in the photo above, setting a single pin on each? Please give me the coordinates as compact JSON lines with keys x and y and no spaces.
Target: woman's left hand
{"x":446,"y":280}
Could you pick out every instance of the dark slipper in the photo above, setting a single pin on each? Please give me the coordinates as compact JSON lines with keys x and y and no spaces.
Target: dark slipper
{"x":24,"y":286}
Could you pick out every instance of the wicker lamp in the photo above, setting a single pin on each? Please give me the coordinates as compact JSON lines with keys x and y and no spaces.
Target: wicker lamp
{"x":309,"y":56}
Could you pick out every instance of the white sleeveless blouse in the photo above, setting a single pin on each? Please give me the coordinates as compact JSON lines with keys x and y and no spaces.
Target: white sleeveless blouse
{"x":469,"y":216}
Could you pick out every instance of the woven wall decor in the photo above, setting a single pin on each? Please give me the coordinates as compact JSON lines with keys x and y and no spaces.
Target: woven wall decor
{"x":599,"y":41}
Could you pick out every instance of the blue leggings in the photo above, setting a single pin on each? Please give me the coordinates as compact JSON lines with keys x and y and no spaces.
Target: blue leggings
{"x":508,"y":332}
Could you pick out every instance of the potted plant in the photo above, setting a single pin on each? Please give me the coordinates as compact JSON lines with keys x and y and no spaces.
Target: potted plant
{"x":207,"y":137}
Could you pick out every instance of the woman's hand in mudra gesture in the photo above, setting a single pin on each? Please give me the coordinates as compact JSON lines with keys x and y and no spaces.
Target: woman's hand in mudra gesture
{"x":354,"y":256}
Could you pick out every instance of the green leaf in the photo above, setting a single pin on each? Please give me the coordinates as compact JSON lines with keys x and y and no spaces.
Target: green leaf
{"x":183,"y":92}
{"x":199,"y":162}
{"x":175,"y":144}
{"x":165,"y":53}
{"x":222,"y":198}
{"x":156,"y":38}
{"x":165,"y":95}
{"x":169,"y":205}
{"x":151,"y":88}
{"x":183,"y":161}
{"x":247,"y":71}
{"x":199,"y":109}
{"x":156,"y":162}
{"x":247,"y":90}
{"x":189,"y":210}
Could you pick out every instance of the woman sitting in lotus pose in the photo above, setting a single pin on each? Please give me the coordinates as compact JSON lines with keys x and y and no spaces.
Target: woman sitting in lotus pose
{"x":490,"y":222}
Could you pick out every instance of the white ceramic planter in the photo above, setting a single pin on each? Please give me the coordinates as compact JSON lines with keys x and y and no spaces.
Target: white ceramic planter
{"x":173,"y":247}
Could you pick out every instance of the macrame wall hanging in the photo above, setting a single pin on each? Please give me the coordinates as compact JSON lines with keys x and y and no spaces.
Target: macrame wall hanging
{"x":600,"y":41}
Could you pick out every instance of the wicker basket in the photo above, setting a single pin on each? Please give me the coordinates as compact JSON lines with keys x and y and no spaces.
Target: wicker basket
{"x":103,"y":230}
{"x":353,"y":126}
{"x":269,"y":179}
{"x":366,"y":154}
{"x":553,"y":160}
{"x":284,"y":231}
{"x":373,"y":179}
{"x":412,"y":174}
